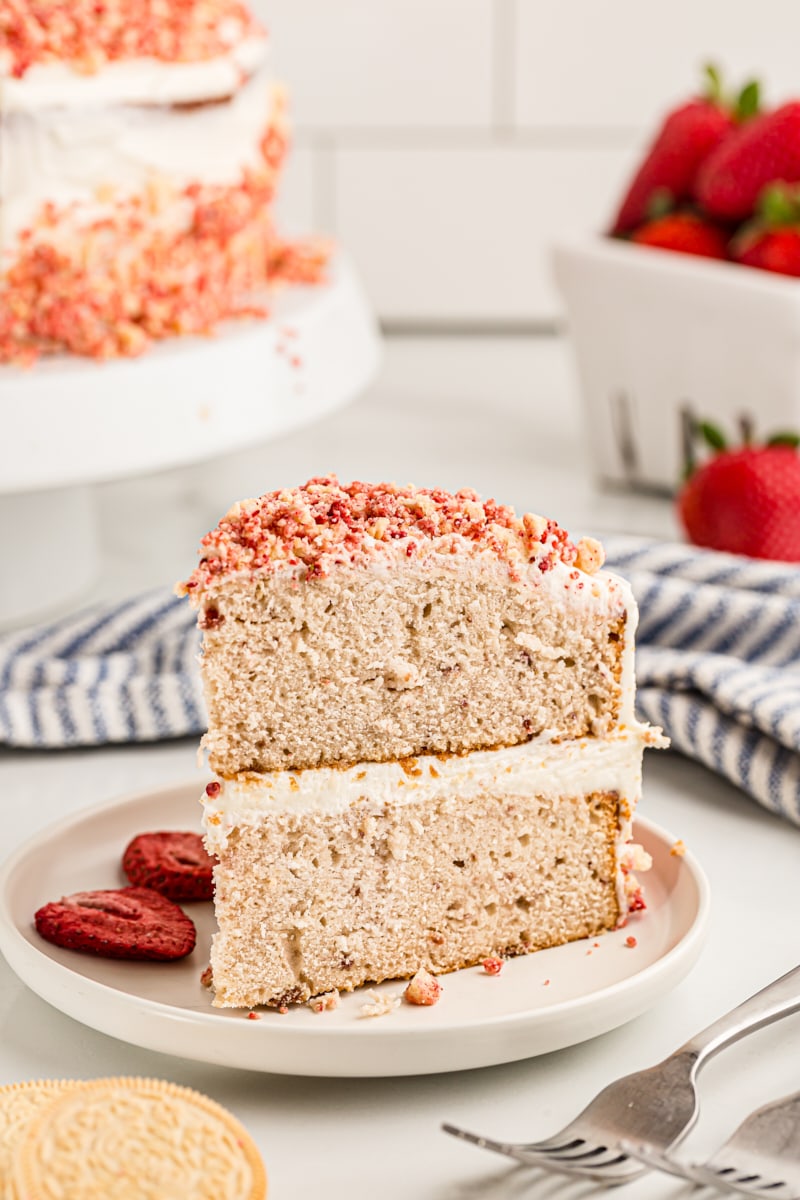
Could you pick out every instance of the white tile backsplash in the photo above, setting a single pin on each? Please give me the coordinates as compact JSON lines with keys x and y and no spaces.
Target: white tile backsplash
{"x":447,"y":142}
{"x":462,"y":234}
{"x":378,"y":64}
{"x":592,"y":65}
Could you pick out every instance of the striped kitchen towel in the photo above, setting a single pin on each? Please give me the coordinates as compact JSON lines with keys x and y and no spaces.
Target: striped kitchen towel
{"x":718,"y":666}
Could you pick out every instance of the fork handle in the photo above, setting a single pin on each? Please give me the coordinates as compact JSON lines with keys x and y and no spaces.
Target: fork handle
{"x":776,"y":1000}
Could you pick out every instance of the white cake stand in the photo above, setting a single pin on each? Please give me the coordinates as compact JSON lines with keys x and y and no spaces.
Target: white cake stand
{"x":71,"y":423}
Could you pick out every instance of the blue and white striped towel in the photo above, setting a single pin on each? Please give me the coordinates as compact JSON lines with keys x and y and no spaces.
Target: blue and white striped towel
{"x":718,"y":666}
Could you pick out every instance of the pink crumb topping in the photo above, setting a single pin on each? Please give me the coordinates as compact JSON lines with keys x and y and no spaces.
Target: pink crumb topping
{"x":424,"y":989}
{"x":90,"y":33}
{"x":492,"y":966}
{"x":325,"y":524}
{"x":114,"y":286}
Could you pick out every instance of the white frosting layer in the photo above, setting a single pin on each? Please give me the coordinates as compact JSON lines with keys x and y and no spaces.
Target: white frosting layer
{"x":538,"y":767}
{"x":79,"y":155}
{"x":132,"y":81}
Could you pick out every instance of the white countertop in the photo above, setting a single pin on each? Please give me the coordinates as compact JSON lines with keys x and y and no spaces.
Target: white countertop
{"x":498,"y":415}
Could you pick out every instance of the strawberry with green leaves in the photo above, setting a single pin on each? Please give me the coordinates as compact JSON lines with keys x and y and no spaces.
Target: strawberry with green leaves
{"x":765,"y":150}
{"x":688,"y":135}
{"x":686,"y":232}
{"x":745,"y":499}
{"x":771,"y":242}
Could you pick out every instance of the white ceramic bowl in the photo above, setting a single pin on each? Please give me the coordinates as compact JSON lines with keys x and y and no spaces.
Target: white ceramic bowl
{"x":655,"y":331}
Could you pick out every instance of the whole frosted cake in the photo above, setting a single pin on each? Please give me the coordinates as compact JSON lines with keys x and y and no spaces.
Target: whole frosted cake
{"x":141,"y":145}
{"x":421,"y":726}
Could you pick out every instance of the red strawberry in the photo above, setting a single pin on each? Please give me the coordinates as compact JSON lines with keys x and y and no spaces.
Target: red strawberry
{"x":134,"y":923}
{"x":683,"y":231}
{"x":772,"y":241}
{"x":763,"y":151}
{"x":174,"y":864}
{"x":687,"y":137}
{"x":746,"y":500}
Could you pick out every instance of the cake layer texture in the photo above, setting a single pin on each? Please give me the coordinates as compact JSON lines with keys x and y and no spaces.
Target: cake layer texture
{"x":365,"y":624}
{"x":331,"y":879}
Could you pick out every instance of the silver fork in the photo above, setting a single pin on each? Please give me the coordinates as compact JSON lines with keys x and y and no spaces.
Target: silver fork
{"x":657,"y":1106}
{"x":762,"y":1158}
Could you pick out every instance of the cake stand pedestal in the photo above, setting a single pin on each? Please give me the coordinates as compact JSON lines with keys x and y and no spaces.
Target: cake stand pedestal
{"x":72,"y":423}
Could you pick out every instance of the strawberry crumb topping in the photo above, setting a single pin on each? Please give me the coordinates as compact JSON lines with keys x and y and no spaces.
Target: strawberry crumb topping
{"x":90,"y":33}
{"x":156,"y":264}
{"x":423,"y":989}
{"x":325,"y":524}
{"x":631,"y":942}
{"x":492,"y":966}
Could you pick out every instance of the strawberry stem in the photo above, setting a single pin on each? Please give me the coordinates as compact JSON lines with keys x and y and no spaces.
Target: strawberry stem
{"x":712,"y":435}
{"x":746,"y":429}
{"x":688,"y":432}
{"x":748,"y":102}
{"x":713,"y":89}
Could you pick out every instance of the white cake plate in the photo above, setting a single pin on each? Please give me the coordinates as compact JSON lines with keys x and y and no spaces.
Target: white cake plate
{"x":71,"y":422}
{"x":540,"y":1002}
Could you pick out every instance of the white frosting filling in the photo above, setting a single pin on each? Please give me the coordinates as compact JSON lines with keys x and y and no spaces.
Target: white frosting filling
{"x":75,"y":156}
{"x":537,"y":768}
{"x":540,"y":767}
{"x":132,"y":81}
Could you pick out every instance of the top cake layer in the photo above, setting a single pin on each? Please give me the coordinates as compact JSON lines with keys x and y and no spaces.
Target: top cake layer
{"x":76,"y":52}
{"x":370,"y":622}
{"x":308,"y":531}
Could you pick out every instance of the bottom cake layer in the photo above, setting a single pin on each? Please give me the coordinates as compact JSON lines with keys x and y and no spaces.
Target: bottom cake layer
{"x":331,"y":879}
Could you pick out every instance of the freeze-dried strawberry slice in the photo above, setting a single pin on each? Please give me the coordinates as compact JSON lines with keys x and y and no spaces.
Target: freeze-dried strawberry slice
{"x":174,"y":864}
{"x":133,"y":922}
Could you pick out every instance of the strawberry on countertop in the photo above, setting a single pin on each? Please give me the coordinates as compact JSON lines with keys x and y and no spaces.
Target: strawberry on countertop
{"x":744,"y":500}
{"x":686,"y":138}
{"x":685,"y":232}
{"x":772,"y":241}
{"x":764,"y":150}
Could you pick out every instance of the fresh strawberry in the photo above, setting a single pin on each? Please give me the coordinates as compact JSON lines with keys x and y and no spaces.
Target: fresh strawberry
{"x":763,"y":151}
{"x":687,"y":137}
{"x":134,"y":923}
{"x":174,"y":864}
{"x":745,"y":500}
{"x":685,"y":232}
{"x":772,"y":241}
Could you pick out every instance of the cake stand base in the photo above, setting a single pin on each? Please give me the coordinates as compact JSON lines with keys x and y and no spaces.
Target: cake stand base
{"x":77,"y":422}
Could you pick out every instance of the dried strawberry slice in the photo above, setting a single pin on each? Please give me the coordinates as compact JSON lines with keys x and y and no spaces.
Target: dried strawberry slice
{"x":174,"y":864}
{"x":133,"y":922}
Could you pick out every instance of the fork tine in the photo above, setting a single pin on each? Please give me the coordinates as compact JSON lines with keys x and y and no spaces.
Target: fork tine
{"x":551,"y":1156}
{"x":731,"y":1180}
{"x":723,"y":1178}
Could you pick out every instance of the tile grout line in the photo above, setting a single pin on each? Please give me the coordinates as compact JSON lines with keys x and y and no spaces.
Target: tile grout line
{"x":503,"y":65}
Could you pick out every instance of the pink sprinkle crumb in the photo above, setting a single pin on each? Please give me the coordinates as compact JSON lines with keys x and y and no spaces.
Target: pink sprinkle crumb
{"x":492,"y":966}
{"x":213,"y":789}
{"x":254,"y":1016}
{"x":423,"y":989}
{"x":283,"y":1010}
{"x":324,"y":524}
{"x":547,"y":983}
{"x":631,"y":941}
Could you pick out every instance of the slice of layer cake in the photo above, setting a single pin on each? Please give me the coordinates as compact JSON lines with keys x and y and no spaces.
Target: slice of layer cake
{"x":141,"y":146}
{"x":421,"y":720}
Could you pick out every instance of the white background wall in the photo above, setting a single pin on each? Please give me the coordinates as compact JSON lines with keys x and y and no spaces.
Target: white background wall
{"x":447,"y":142}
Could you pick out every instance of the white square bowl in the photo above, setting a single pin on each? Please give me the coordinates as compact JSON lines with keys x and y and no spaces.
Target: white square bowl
{"x":655,"y":331}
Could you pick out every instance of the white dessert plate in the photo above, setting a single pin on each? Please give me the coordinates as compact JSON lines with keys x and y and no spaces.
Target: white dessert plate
{"x":538,"y":1003}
